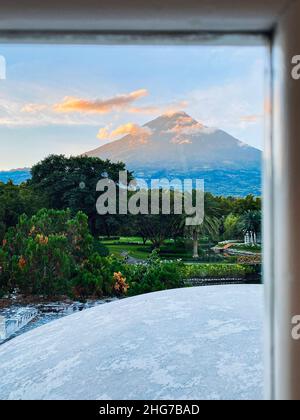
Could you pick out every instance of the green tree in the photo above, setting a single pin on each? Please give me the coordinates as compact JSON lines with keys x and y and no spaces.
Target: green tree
{"x":16,"y":200}
{"x":209,"y":227}
{"x":71,"y":183}
{"x":251,"y":224}
{"x":232,"y":227}
{"x":159,"y":227}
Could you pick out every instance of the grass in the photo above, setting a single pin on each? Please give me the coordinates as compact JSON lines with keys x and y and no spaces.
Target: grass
{"x":140,"y":251}
{"x":135,"y":251}
{"x":130,"y":240}
{"x":135,"y":248}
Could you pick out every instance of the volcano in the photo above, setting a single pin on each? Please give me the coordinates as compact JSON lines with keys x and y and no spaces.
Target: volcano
{"x":175,"y":145}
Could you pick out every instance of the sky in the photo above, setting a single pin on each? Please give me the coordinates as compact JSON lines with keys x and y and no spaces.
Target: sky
{"x":73,"y":98}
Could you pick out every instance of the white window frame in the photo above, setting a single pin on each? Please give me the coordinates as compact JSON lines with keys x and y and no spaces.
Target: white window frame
{"x":174,"y":21}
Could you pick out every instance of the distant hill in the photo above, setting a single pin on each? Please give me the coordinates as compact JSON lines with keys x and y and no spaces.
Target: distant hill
{"x":177,"y":146}
{"x":16,"y":175}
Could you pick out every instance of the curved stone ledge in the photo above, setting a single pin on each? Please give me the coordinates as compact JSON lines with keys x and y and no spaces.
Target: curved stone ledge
{"x":193,"y":343}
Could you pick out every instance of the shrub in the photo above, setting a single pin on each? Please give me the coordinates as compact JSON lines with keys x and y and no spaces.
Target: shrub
{"x":43,"y":251}
{"x":215,"y":270}
{"x":100,"y":248}
{"x":153,"y":276}
{"x":94,"y":277}
{"x":44,"y":267}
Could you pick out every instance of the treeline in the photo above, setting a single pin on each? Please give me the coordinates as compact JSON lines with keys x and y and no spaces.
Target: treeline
{"x":53,"y":254}
{"x":50,"y":229}
{"x":70,"y":183}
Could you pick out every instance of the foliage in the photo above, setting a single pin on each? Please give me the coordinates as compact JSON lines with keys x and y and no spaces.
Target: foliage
{"x":154,"y":276}
{"x":215,"y":270}
{"x":94,"y":277}
{"x":71,"y":183}
{"x":232,"y":227}
{"x":17,"y":200}
{"x":120,"y":284}
{"x":251,"y":221}
{"x":158,"y":228}
{"x":44,"y":266}
{"x":100,"y":248}
{"x":42,"y":251}
{"x":209,"y":228}
{"x":171,"y":250}
{"x":52,"y":252}
{"x":4,"y":273}
{"x":222,"y":206}
{"x":247,"y":247}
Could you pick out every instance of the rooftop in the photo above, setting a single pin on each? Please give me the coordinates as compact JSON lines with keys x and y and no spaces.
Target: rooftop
{"x":193,"y":343}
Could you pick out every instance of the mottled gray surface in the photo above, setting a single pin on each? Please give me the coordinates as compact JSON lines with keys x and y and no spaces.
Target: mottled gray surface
{"x":194,"y":343}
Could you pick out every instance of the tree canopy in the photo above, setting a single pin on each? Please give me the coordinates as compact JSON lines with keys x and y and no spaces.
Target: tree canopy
{"x":71,"y":183}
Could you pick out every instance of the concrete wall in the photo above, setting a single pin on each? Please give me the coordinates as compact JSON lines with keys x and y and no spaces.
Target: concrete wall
{"x":286,"y":206}
{"x":138,"y":15}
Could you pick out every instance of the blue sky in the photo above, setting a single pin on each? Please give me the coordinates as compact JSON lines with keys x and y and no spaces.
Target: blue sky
{"x":70,"y":99}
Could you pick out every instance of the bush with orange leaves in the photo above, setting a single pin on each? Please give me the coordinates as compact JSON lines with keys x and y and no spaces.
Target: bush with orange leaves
{"x":120,"y":285}
{"x":21,"y":263}
{"x":41,"y":255}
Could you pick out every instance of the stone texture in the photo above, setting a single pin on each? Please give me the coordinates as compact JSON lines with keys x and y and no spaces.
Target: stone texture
{"x":13,"y":320}
{"x":193,"y":343}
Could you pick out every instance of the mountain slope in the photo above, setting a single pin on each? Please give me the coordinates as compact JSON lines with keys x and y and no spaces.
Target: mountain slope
{"x":177,"y":146}
{"x":16,"y":175}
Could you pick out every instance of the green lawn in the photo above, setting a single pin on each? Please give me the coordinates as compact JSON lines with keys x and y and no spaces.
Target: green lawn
{"x":132,"y":240}
{"x":136,"y":249}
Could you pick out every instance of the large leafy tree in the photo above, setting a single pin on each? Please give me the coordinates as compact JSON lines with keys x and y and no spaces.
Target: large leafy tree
{"x":232,"y":227}
{"x":159,"y":227}
{"x":71,"y":183}
{"x":16,"y":200}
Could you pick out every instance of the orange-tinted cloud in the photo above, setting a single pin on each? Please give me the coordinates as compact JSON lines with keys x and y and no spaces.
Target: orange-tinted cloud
{"x":127,"y":129}
{"x":103,"y":134}
{"x":99,"y":106}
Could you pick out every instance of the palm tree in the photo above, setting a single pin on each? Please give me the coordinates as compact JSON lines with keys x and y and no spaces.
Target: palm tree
{"x":210,"y":227}
{"x":251,"y":224}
